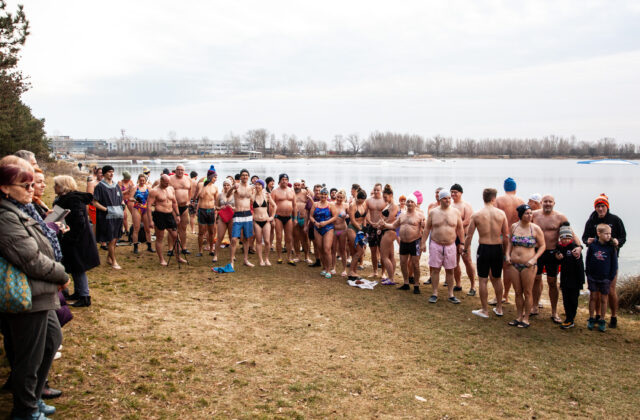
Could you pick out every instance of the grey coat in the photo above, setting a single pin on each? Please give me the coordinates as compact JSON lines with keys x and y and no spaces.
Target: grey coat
{"x":23,"y":244}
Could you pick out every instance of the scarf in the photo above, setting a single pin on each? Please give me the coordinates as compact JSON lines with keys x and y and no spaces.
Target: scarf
{"x":48,"y":232}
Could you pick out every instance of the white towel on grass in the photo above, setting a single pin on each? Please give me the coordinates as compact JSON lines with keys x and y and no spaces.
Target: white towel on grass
{"x":366,"y":284}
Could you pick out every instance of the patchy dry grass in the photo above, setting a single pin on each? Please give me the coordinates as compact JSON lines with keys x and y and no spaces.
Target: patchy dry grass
{"x":281,"y":342}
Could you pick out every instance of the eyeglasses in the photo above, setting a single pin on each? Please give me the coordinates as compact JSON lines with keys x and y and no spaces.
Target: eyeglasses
{"x":26,"y":186}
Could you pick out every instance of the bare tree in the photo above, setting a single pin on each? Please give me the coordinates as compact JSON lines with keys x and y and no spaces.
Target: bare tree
{"x":355,"y":142}
{"x":257,"y":139}
{"x":338,"y":143}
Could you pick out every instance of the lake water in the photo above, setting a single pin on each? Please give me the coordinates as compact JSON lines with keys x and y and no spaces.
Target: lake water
{"x":575,"y":186}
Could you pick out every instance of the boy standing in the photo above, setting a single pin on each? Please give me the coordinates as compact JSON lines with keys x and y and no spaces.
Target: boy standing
{"x":571,"y":274}
{"x":602,"y":266}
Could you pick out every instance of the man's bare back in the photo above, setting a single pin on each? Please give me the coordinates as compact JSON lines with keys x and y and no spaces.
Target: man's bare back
{"x":491,"y":224}
{"x":508,"y":203}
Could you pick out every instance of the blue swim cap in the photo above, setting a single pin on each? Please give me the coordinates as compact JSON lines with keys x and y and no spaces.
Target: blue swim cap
{"x":509,"y":184}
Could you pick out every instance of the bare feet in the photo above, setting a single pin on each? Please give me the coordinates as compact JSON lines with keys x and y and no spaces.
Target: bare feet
{"x":163,"y":263}
{"x":248,"y":264}
{"x":268,"y":263}
{"x":344,"y":274}
{"x":262,"y":264}
{"x":116,"y":266}
{"x":182,"y":260}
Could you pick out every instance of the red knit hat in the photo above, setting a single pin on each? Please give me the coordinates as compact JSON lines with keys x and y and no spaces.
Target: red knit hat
{"x":602,"y":199}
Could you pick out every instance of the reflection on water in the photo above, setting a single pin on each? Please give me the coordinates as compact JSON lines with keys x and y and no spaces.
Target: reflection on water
{"x":574,"y":186}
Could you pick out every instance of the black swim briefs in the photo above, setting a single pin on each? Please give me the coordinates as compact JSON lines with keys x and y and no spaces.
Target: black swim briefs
{"x":206,"y":216}
{"x":410,"y":248}
{"x":489,"y":258}
{"x":182,"y":209}
{"x":549,"y":261}
{"x":373,"y":237}
{"x":164,"y":220}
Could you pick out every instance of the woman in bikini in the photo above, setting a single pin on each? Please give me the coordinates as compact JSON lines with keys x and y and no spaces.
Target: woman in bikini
{"x":322,"y":215}
{"x":224,"y":225}
{"x":340,"y":237}
{"x":263,"y":209}
{"x":128,"y":188}
{"x":357,"y":215}
{"x":139,"y":213}
{"x":521,"y":257}
{"x":388,"y":236}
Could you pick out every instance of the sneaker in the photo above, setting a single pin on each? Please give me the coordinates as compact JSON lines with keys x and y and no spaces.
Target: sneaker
{"x":416,"y":290}
{"x":327,"y":276}
{"x":170,"y":253}
{"x":323,"y":273}
{"x":590,"y":323}
{"x":57,"y":355}
{"x":388,"y":282}
{"x":411,"y":280}
{"x":428,"y":281}
{"x":186,"y":252}
{"x":199,"y":254}
{"x":602,"y":325}
{"x":433,"y":299}
{"x":454,"y":300}
{"x":457,"y":288}
{"x":613,"y":322}
{"x":472,"y":292}
{"x":45,"y":409}
{"x":404,"y":287}
{"x":567,"y":324}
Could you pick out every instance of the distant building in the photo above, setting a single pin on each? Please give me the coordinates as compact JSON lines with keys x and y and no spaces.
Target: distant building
{"x":68,"y":146}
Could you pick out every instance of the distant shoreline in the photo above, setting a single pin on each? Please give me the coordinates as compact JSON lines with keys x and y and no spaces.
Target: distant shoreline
{"x":283,"y":157}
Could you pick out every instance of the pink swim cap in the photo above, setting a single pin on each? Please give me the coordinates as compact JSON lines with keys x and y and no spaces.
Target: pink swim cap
{"x":418,"y":195}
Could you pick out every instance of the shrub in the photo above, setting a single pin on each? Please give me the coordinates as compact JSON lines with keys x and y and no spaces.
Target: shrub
{"x":629,"y":293}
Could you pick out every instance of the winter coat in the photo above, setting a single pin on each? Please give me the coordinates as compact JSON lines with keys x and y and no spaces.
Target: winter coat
{"x":79,"y":250}
{"x":23,"y":244}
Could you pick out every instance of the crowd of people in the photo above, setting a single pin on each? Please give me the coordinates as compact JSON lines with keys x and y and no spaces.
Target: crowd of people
{"x":523,"y":240}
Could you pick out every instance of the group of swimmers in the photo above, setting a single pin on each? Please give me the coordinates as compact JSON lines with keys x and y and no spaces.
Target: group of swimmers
{"x":517,"y":237}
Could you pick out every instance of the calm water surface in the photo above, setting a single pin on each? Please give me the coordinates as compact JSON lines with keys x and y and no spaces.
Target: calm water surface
{"x":574,"y":186}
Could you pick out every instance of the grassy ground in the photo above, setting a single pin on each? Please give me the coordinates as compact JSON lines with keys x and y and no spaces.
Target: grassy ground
{"x":281,"y":342}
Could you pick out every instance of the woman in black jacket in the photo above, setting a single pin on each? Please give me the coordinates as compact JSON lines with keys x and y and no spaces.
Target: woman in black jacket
{"x":79,"y":250}
{"x":601,"y":214}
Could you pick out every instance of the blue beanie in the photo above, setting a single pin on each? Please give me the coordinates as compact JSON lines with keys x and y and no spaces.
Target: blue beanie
{"x":509,"y":184}
{"x":212,"y":170}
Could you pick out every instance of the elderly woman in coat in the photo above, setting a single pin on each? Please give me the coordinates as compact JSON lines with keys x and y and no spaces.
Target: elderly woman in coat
{"x":79,"y":250}
{"x":30,"y":246}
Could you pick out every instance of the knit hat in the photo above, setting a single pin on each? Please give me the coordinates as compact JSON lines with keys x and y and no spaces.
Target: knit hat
{"x":509,"y":184}
{"x":456,"y":187}
{"x":565,"y":232}
{"x":126,"y":175}
{"x":602,"y":199}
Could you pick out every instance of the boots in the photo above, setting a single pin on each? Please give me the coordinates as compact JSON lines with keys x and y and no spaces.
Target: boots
{"x":82,"y":302}
{"x":135,"y":248}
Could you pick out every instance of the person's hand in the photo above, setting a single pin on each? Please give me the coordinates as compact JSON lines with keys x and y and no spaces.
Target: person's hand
{"x":177,"y":219}
{"x":63,"y":228}
{"x":576,"y":252}
{"x":507,"y":259}
{"x":460,"y":248}
{"x":590,"y":241}
{"x":423,"y":247}
{"x":559,"y":256}
{"x":531,"y":262}
{"x":615,"y":241}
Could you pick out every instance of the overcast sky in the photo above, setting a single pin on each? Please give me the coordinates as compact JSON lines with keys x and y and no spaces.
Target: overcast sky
{"x":456,"y":68}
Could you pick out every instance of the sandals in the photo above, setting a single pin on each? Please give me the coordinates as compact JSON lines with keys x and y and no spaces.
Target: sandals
{"x":556,"y":320}
{"x":514,"y":323}
{"x":523,"y":325}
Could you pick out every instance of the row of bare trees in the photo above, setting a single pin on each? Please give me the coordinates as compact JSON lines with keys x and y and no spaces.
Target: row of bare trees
{"x":398,"y":144}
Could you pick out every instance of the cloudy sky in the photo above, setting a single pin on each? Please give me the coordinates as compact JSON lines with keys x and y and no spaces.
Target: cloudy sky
{"x":457,"y":68}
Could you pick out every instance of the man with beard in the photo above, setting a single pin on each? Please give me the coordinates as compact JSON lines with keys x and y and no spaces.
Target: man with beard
{"x":166,"y":214}
{"x":549,"y":221}
{"x":182,"y":187}
{"x":206,"y":211}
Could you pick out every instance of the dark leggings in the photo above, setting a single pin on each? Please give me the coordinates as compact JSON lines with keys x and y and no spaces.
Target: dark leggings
{"x":570,"y":297}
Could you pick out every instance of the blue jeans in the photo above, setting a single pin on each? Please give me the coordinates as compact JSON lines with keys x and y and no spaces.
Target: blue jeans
{"x":80,"y":283}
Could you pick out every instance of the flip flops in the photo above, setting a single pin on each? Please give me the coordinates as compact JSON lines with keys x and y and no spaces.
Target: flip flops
{"x":514,"y":323}
{"x":495,"y":311}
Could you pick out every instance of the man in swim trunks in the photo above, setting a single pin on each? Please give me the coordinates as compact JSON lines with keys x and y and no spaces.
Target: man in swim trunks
{"x":206,"y":209}
{"x":375,"y":205}
{"x":445,"y":225}
{"x":466,"y":211}
{"x":549,"y":221}
{"x":493,"y":232}
{"x":242,"y":217}
{"x":301,"y":219}
{"x":410,"y":224}
{"x":182,"y":186}
{"x":285,"y":199}
{"x":193,"y":200}
{"x":508,"y":203}
{"x":165,"y":215}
